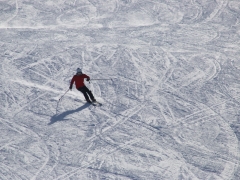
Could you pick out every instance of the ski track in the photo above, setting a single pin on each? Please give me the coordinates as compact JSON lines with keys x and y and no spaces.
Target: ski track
{"x":28,"y":131}
{"x":217,"y":11}
{"x":153,"y":123}
{"x":14,"y":16}
{"x":233,"y":148}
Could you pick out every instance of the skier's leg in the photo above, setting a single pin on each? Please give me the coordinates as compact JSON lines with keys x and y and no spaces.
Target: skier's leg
{"x":84,"y":91}
{"x":90,"y":94}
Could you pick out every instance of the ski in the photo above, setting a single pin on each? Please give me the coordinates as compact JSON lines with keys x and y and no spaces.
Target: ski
{"x":96,"y":103}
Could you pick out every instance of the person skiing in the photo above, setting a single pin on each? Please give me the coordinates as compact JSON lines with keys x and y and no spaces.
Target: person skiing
{"x":78,"y":78}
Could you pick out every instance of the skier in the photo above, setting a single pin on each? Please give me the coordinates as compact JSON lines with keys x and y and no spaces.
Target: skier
{"x":79,"y":83}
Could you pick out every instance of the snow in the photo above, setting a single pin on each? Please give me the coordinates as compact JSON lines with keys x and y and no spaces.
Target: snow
{"x":170,"y":112}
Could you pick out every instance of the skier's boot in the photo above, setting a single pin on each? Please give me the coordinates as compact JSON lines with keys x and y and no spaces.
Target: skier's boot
{"x":88,"y":101}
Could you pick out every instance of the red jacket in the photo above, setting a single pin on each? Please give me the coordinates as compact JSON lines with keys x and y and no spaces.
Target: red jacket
{"x":79,"y":80}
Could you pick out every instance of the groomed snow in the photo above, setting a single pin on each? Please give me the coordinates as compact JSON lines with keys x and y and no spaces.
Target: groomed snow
{"x":171,"y":106}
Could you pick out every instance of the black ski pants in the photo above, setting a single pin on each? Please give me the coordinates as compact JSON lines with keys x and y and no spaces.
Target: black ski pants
{"x":87,"y":93}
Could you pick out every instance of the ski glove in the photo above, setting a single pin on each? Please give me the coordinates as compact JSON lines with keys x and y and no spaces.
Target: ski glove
{"x":70,"y":87}
{"x":88,"y":79}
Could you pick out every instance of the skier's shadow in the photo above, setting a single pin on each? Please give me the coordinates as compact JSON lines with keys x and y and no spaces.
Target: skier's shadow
{"x":61,"y":117}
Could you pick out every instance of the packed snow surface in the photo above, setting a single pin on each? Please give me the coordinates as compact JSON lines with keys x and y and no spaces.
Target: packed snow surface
{"x":166,"y":72}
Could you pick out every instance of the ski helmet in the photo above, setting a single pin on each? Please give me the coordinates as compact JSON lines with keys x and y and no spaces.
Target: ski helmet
{"x":79,"y":70}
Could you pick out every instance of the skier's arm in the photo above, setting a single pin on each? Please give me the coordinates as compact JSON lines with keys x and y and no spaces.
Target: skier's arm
{"x":86,"y":76}
{"x":71,"y":84}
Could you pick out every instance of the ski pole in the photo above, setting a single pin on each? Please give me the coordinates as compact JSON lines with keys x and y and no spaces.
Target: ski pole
{"x":100,"y":79}
{"x":63,"y":95}
{"x":60,"y":99}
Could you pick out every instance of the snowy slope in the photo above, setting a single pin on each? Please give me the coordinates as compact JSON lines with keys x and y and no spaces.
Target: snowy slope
{"x":170,"y":112}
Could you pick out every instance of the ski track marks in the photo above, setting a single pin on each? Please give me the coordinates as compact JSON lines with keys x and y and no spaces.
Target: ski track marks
{"x":165,"y":114}
{"x":5,"y":23}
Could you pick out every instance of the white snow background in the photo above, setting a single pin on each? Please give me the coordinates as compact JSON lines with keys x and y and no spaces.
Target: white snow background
{"x":170,"y":112}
